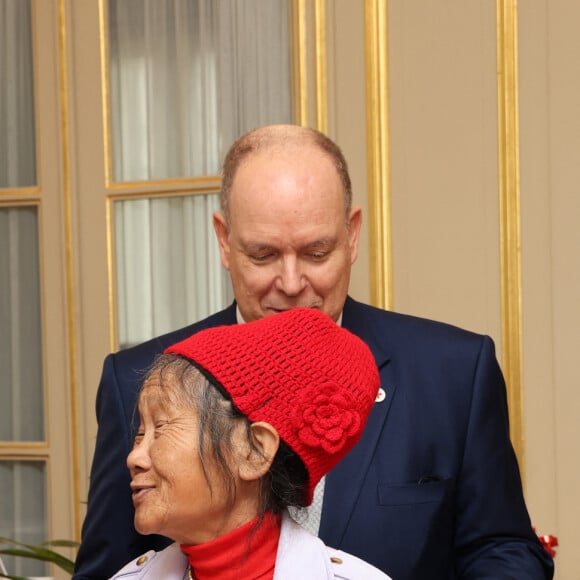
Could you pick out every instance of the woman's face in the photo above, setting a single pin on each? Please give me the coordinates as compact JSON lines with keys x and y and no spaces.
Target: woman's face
{"x":170,"y":492}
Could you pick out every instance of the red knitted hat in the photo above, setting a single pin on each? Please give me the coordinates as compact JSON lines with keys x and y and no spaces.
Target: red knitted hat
{"x":311,"y":379}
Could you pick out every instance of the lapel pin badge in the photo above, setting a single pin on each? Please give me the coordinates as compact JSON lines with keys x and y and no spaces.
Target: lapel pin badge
{"x":381,"y":396}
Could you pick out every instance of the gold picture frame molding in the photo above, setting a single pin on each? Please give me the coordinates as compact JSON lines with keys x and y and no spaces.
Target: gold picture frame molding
{"x":508,"y":160}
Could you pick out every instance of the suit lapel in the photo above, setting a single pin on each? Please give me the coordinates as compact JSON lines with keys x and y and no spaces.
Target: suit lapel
{"x":344,"y":482}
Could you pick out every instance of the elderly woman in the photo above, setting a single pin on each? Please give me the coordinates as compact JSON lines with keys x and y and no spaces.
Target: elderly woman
{"x":237,"y":425}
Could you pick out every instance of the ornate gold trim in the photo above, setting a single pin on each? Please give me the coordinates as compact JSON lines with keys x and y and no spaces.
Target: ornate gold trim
{"x":320,"y":65}
{"x":68,"y":227}
{"x":509,"y":204}
{"x":19,"y":202}
{"x":379,"y":188}
{"x":36,"y":84}
{"x":196,"y":183}
{"x":162,"y":194}
{"x":24,"y":449}
{"x":105,"y":93}
{"x":112,"y":273}
{"x":20,"y":191}
{"x":299,"y":61}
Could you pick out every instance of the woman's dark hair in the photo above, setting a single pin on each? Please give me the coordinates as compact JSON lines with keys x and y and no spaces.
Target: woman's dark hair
{"x":285,"y":484}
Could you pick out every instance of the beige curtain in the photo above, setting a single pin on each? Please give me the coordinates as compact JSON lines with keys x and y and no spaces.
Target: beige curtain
{"x":187,"y":78}
{"x":23,"y":513}
{"x":17,"y":143}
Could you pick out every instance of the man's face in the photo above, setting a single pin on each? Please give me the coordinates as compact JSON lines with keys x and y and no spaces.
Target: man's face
{"x":288,"y":243}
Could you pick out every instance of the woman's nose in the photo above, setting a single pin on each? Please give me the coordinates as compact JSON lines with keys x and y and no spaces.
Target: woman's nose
{"x":138,"y":458}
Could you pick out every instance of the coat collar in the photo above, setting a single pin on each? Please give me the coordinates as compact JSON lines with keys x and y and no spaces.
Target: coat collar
{"x":300,"y":554}
{"x":361,"y":320}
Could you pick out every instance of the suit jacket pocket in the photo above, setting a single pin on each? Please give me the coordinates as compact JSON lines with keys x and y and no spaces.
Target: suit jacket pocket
{"x":419,"y":520}
{"x":414,"y":493}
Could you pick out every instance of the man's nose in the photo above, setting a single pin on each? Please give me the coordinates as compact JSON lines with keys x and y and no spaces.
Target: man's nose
{"x":290,"y":280}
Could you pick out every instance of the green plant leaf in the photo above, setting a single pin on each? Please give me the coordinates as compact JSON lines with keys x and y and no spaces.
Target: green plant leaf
{"x":61,"y":543}
{"x":38,"y":553}
{"x":18,"y":552}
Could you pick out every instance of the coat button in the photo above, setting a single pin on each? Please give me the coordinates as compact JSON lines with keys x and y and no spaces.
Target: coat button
{"x":141,"y":560}
{"x":335,"y":560}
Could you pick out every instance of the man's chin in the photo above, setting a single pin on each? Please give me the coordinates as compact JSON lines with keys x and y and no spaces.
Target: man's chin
{"x":271,"y":310}
{"x":283,"y":307}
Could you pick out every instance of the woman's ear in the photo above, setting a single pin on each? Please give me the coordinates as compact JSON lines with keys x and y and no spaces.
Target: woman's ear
{"x":257,"y":461}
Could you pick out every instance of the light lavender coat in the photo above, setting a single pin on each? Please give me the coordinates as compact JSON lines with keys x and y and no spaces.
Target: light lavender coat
{"x":300,"y":555}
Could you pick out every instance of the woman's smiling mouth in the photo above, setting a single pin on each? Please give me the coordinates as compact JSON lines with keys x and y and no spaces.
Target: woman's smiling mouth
{"x":139,"y":492}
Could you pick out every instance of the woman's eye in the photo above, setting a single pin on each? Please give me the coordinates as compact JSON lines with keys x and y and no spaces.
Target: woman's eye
{"x":159,"y":427}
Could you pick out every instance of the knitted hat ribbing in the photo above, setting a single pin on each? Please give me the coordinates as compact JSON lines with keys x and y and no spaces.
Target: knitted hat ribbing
{"x":312,"y":380}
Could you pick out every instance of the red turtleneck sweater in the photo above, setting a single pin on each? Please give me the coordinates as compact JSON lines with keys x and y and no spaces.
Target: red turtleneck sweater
{"x":243,"y":554}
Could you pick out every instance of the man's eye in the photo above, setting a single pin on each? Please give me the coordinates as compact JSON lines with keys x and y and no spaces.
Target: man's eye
{"x":262,"y":257}
{"x":138,"y":439}
{"x":317,"y":256}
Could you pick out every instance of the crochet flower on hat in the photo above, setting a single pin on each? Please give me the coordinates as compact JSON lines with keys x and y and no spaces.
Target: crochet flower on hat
{"x":326,"y":417}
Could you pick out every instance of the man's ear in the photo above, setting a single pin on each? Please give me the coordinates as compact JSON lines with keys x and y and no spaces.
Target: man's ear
{"x":355,"y":223}
{"x":221,"y":231}
{"x":257,"y":461}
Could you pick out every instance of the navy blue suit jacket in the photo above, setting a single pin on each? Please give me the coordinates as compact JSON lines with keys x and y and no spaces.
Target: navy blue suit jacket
{"x":432,"y":490}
